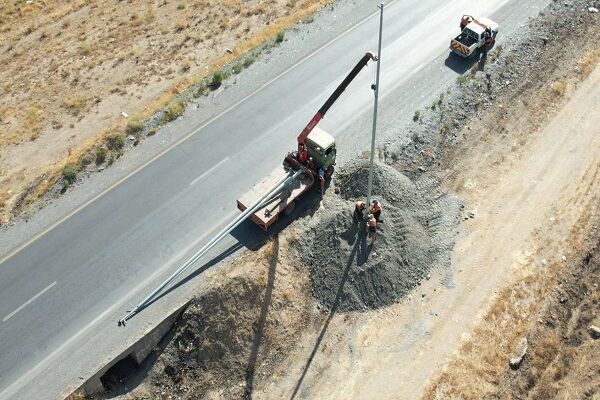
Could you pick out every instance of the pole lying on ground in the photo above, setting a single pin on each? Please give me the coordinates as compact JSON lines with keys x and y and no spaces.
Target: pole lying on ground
{"x":264,"y":199}
{"x":376,"y":90}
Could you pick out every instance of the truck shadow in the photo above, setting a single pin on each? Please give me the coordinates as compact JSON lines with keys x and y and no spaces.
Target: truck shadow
{"x":250,"y":236}
{"x":459,"y":64}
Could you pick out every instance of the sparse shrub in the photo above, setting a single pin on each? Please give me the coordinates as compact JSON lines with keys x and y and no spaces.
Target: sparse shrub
{"x":249,"y":60}
{"x":115,"y":141}
{"x":75,"y":104}
{"x":85,"y":160}
{"x":173,"y":110}
{"x":559,"y":88}
{"x":202,"y":90}
{"x":461,"y":80}
{"x":134,"y":125}
{"x":186,"y":66}
{"x":237,"y":68}
{"x":101,"y":154}
{"x":32,"y":115}
{"x":280,"y":36}
{"x":85,"y":48}
{"x":180,"y":25}
{"x":152,"y":132}
{"x":217,"y":78}
{"x":181,"y":6}
{"x":69,"y":174}
{"x":415,"y":137}
{"x":417,"y":116}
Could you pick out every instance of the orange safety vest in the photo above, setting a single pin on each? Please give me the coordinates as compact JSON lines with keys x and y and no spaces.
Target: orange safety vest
{"x":375,"y":207}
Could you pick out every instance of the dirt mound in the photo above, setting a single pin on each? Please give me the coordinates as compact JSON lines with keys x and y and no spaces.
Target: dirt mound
{"x":214,"y":335}
{"x":347,"y":273}
{"x":234,"y":334}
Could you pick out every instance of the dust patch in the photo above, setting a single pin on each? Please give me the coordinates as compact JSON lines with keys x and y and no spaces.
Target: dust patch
{"x":349,"y":274}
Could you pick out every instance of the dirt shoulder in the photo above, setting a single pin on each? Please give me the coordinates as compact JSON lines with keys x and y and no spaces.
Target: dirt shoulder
{"x":544,"y":222}
{"x":74,"y":72}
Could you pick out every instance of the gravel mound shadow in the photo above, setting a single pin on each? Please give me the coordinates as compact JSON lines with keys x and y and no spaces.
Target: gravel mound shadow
{"x":417,"y":235}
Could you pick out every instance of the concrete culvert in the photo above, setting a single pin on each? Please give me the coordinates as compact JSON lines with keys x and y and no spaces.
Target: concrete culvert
{"x":417,"y":235}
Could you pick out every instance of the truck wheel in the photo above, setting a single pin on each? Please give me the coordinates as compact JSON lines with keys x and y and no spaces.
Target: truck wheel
{"x":290,"y":208}
{"x":329,"y":172}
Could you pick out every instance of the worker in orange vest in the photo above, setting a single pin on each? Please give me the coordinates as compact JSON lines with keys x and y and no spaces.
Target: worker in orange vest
{"x":372,"y":227}
{"x":359,"y":210}
{"x":376,"y":209}
{"x":465,"y":20}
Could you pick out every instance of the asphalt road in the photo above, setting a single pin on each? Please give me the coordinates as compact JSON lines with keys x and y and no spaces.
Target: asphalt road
{"x":60,"y":296}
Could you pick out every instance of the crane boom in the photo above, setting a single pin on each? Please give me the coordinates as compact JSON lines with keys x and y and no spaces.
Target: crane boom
{"x":302,"y":150}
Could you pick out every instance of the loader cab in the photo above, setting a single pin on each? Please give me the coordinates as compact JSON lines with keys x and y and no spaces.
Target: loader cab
{"x":321,"y":147}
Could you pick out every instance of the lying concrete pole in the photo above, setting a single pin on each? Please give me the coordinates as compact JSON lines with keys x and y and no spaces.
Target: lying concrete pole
{"x":264,"y":199}
{"x":376,"y":90}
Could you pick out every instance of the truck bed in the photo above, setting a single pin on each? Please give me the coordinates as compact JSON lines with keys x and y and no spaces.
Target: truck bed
{"x":268,"y":215}
{"x":465,"y":40}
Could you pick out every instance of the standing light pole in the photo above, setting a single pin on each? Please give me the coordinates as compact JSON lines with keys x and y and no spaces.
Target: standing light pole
{"x":376,"y":90}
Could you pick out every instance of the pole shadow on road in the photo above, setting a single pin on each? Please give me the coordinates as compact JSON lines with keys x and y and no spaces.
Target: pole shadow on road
{"x":214,"y":261}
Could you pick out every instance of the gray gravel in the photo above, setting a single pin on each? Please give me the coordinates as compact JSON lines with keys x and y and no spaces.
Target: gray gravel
{"x":418,"y":232}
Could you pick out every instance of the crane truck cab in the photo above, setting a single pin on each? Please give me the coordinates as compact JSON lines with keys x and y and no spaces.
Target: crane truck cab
{"x":321,"y":148}
{"x":473,"y":37}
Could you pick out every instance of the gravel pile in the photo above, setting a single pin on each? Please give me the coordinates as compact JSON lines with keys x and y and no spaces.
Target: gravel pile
{"x":347,"y":273}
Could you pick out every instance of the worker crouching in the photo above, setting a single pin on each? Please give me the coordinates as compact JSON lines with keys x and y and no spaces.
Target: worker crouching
{"x":359,"y":211}
{"x":376,"y":209}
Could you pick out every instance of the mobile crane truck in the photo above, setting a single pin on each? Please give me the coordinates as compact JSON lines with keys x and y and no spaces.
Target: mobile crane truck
{"x":312,"y":162}
{"x":314,"y":159}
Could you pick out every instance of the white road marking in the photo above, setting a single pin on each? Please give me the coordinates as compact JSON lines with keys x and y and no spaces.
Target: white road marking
{"x":10,"y":391}
{"x":210,"y":170}
{"x":28,"y":302}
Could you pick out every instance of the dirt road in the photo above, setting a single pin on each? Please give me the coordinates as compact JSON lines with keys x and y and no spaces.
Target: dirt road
{"x":538,"y":194}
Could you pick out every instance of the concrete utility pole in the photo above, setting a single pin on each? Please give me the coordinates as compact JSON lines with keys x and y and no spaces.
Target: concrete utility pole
{"x":376,"y":89}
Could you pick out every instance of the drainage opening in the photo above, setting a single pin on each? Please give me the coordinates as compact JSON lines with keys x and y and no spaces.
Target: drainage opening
{"x":119,"y":372}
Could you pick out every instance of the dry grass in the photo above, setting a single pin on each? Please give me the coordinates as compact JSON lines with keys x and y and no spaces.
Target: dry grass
{"x":559,"y":88}
{"x":81,"y":62}
{"x":476,"y":368}
{"x":587,"y":64}
{"x":480,"y":370}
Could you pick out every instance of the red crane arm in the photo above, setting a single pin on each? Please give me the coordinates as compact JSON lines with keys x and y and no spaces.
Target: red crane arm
{"x":302,"y":150}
